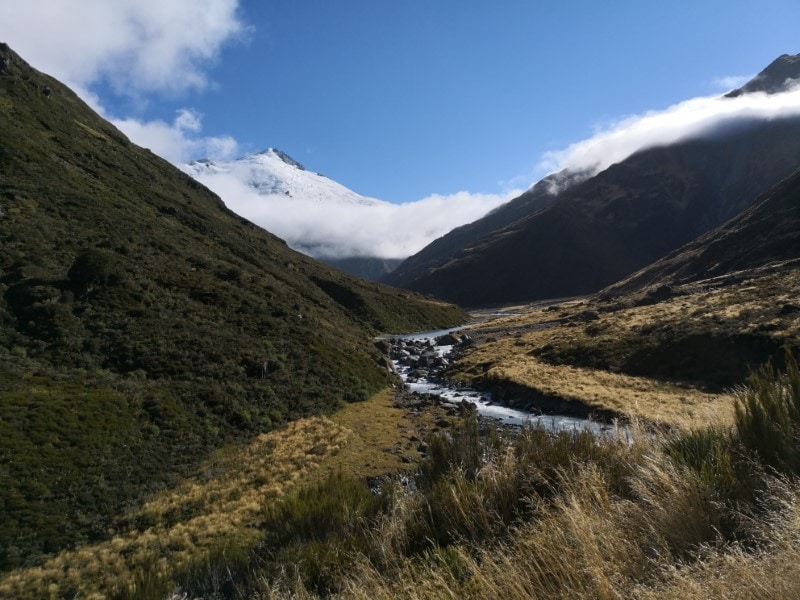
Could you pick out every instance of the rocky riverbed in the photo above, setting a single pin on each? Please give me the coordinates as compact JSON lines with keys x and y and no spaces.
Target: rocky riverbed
{"x":422,"y":360}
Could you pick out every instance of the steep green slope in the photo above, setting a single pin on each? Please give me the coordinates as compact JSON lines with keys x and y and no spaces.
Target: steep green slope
{"x":143,"y":324}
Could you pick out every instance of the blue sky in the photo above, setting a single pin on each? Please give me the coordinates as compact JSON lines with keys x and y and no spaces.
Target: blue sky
{"x":399,"y":100}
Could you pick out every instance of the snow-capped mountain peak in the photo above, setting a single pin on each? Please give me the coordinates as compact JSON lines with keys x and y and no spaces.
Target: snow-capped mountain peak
{"x":273,"y":172}
{"x":284,"y":157}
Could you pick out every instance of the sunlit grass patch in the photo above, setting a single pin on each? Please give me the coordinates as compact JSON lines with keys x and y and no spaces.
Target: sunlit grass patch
{"x":646,"y":398}
{"x":381,"y":441}
{"x":670,"y":361}
{"x":220,"y":506}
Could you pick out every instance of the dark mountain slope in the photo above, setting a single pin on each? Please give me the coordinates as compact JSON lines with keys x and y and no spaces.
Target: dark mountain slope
{"x":620,"y":220}
{"x":142,"y":324}
{"x":766,"y":232}
{"x":438,"y":252}
{"x":780,"y":72}
{"x":367,"y":267}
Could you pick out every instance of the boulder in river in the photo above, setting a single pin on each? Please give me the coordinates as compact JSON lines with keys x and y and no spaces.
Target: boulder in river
{"x":449,"y":339}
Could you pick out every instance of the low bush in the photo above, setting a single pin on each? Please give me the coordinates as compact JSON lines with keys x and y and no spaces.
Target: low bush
{"x":768,"y":416}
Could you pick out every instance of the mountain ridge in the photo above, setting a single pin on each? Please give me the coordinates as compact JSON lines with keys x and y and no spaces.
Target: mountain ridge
{"x":779,"y":75}
{"x":767,"y":232}
{"x":603,"y":228}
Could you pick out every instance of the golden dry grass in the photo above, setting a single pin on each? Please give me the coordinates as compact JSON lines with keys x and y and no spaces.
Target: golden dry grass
{"x":642,"y":397}
{"x":509,"y":346}
{"x":380,"y":438}
{"x":220,"y":505}
{"x":660,"y":541}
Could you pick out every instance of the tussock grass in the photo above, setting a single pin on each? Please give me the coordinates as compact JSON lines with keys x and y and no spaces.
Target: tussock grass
{"x":689,"y":514}
{"x":768,"y":416}
{"x":217,"y":509}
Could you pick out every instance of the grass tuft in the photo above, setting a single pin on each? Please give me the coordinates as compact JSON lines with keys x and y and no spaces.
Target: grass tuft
{"x":768,"y":416}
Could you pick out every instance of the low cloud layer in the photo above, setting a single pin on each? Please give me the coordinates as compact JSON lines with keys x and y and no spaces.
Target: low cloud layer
{"x":137,"y":46}
{"x":394,"y":231}
{"x":342,"y":230}
{"x":693,"y":118}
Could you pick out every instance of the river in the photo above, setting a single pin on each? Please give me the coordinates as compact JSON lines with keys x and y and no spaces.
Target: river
{"x":420,"y":358}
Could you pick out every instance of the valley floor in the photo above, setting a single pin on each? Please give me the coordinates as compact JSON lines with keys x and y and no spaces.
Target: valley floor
{"x":220,"y":509}
{"x":696,"y":507}
{"x":671,"y":360}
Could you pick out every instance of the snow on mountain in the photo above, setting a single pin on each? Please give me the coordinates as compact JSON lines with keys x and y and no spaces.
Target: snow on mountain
{"x":273,"y":172}
{"x":314,"y":214}
{"x":324,"y":219}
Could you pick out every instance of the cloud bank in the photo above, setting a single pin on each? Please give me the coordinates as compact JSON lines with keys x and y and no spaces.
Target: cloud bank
{"x":693,"y":118}
{"x":396,"y":231}
{"x":333,"y":230}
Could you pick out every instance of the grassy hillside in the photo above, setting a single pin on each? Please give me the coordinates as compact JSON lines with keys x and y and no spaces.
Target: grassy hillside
{"x":671,"y":359}
{"x":143,"y":324}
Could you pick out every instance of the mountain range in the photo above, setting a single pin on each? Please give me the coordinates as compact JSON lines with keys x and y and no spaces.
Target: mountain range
{"x":146,"y":328}
{"x":572,"y":235}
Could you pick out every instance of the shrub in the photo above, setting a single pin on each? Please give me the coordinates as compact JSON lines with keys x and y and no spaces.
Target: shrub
{"x":768,"y":416}
{"x":461,"y":449}
{"x":96,"y":267}
{"x":322,"y":512}
{"x":715,"y":455}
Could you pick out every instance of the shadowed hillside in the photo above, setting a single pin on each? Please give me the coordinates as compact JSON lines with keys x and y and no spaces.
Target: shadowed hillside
{"x":142,"y":324}
{"x":768,"y":231}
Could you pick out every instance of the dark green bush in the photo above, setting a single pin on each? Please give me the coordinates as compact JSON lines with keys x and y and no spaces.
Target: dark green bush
{"x":96,"y":267}
{"x":461,"y":448}
{"x":329,"y":510}
{"x":709,"y":452}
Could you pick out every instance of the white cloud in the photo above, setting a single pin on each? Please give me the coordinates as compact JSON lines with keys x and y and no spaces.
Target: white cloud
{"x":175,"y":141}
{"x":731,"y":82}
{"x":138,"y":46}
{"x":342,"y":230}
{"x":693,"y":118}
